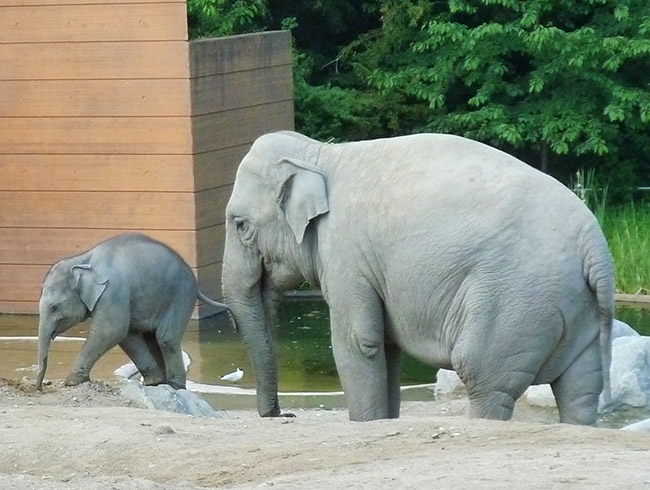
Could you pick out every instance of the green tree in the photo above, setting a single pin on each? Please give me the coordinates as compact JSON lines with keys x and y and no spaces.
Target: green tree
{"x":214,"y":18}
{"x":562,"y":83}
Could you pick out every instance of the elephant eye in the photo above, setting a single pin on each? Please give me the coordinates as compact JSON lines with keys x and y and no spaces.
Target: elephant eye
{"x":244,"y":229}
{"x":54,"y":308}
{"x":241,"y":225}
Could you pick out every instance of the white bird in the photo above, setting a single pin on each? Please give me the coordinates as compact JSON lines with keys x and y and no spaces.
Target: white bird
{"x":127,"y":371}
{"x":234,"y":376}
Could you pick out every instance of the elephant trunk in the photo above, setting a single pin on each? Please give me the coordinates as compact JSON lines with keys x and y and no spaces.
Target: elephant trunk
{"x":271,"y":303}
{"x":44,"y":340}
{"x":254,"y":330}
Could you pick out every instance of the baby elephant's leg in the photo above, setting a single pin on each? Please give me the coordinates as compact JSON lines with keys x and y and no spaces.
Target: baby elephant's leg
{"x":174,"y":367}
{"x":137,"y":348}
{"x":100,"y":340}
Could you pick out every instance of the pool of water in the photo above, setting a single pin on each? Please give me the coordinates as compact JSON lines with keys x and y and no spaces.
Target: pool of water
{"x":636,"y":315}
{"x":306,"y":371}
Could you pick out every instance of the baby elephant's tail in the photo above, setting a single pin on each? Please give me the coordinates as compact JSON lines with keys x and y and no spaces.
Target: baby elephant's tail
{"x":212,"y":302}
{"x":223,"y":306}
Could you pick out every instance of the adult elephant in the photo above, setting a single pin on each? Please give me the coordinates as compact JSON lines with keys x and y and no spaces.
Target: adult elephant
{"x":443,"y":247}
{"x":139,"y":293}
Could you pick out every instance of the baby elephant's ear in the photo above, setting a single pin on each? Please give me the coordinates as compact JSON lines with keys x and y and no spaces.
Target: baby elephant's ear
{"x":304,"y":195}
{"x":90,"y":284}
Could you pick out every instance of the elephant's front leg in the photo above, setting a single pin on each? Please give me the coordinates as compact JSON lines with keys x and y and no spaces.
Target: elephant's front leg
{"x":100,"y":339}
{"x":359,"y":351}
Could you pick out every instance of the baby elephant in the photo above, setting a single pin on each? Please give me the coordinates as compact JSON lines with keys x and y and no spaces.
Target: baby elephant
{"x":139,"y":293}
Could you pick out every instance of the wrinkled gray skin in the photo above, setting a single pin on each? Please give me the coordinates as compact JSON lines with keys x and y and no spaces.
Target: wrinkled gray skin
{"x":445,"y":248}
{"x":140,"y":295}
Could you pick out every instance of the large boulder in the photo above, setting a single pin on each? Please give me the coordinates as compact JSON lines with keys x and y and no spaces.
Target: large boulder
{"x":164,"y":397}
{"x":630,"y":373}
{"x":540,"y":396}
{"x":622,"y":329}
{"x":448,"y":382}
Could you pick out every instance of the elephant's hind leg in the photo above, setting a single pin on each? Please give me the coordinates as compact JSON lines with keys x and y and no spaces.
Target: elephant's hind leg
{"x":169,"y":343}
{"x":501,"y":354}
{"x":138,"y":349}
{"x":174,"y":367}
{"x":578,"y":388}
{"x":494,"y":378}
{"x":497,"y":403}
{"x":496,"y":382}
{"x":393,"y":375}
{"x":493,"y":392}
{"x":169,"y":336}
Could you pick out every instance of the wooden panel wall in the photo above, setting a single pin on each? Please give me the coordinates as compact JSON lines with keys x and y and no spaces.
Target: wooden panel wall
{"x":241,"y":88}
{"x":95,"y":132}
{"x":110,"y":121}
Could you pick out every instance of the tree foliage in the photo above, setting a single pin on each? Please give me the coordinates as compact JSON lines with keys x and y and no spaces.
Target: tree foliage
{"x":561,"y":83}
{"x":214,"y":18}
{"x":558,"y":81}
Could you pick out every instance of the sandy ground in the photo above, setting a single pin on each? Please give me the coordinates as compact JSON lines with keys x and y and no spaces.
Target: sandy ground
{"x":89,"y":437}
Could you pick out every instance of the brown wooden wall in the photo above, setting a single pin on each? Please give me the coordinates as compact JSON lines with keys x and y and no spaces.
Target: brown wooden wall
{"x":110,"y":120}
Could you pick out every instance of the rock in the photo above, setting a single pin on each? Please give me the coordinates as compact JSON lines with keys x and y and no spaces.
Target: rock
{"x":165,"y":430}
{"x":630,"y":372}
{"x":448,"y":382}
{"x":164,"y":397}
{"x":540,"y":396}
{"x":622,"y":329}
{"x":641,"y":426}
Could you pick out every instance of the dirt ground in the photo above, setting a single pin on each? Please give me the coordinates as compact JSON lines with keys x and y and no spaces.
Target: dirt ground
{"x":89,"y":437}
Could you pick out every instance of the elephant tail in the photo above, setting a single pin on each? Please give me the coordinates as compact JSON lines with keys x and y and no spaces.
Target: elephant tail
{"x":212,"y":302}
{"x":223,"y":306}
{"x":599,"y":273}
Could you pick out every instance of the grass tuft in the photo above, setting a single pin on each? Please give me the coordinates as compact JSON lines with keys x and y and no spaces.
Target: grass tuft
{"x":627,"y":229}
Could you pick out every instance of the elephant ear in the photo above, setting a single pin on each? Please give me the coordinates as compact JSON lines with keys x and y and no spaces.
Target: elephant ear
{"x":90,"y":284}
{"x":303,"y":195}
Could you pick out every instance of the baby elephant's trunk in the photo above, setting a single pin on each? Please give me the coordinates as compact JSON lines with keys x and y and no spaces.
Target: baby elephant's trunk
{"x":44,"y":340}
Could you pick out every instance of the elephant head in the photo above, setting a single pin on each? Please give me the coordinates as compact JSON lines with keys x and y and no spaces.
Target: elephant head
{"x":70,"y":292}
{"x":270,"y":245}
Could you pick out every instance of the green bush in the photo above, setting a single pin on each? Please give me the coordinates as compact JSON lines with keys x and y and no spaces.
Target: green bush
{"x":627,"y":228}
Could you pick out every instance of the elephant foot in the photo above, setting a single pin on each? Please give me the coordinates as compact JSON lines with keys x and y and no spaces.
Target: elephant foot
{"x":279,"y":414}
{"x":75,"y":379}
{"x":152,"y":379}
